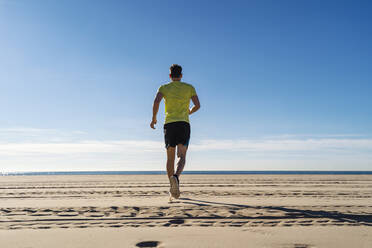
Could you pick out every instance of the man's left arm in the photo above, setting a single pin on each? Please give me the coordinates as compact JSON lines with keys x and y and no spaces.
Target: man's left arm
{"x":155,"y":109}
{"x":196,"y":102}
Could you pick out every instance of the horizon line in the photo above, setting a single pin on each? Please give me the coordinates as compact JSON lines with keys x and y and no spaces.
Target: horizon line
{"x":191,"y":172}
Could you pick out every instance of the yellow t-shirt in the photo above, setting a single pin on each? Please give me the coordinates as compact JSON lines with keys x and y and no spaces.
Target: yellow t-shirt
{"x":177,"y":97}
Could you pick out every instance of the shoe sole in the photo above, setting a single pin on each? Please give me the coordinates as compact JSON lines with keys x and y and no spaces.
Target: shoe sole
{"x":174,"y":188}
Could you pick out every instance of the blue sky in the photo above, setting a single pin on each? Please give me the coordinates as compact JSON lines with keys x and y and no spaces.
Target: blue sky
{"x":282,"y":84}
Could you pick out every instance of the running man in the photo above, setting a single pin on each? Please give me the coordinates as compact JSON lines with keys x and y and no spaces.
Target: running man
{"x":177,"y":97}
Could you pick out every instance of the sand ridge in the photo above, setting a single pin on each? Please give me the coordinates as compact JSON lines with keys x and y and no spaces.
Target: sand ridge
{"x":199,"y":213}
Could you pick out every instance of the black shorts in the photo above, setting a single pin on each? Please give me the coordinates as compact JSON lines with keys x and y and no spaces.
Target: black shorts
{"x":176,"y":133}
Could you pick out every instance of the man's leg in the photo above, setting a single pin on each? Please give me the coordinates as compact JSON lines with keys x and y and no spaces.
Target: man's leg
{"x":174,"y":187}
{"x":170,"y":160}
{"x":181,"y":154}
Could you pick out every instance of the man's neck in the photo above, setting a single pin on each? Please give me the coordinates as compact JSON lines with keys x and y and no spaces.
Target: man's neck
{"x":176,"y":79}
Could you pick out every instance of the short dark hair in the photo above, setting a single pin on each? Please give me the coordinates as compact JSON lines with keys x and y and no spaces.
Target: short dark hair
{"x":175,"y":71}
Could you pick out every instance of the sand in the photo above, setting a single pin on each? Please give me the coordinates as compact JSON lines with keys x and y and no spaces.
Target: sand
{"x":284,"y":211}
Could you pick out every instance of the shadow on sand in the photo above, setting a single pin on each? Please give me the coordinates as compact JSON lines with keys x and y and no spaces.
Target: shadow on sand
{"x":289,"y":213}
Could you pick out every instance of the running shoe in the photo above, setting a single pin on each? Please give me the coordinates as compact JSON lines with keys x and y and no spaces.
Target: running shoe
{"x":174,"y":187}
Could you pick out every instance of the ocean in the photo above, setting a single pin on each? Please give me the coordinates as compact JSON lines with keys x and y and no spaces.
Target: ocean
{"x":221,"y":172}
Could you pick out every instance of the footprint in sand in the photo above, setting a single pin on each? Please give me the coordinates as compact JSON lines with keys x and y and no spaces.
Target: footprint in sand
{"x":148,"y":244}
{"x":177,"y":221}
{"x":302,"y":246}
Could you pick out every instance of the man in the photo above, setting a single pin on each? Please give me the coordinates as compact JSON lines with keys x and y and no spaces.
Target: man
{"x":177,"y":97}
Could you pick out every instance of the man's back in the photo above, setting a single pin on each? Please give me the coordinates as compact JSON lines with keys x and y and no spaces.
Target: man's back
{"x":177,"y":97}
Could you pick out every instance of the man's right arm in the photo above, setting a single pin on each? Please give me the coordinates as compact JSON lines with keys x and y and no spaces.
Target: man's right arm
{"x":155,"y":109}
{"x":196,"y":107}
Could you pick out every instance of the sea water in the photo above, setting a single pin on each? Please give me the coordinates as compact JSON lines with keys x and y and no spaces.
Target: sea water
{"x":217,"y":172}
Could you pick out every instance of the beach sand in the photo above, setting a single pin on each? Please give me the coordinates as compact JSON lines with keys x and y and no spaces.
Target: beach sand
{"x":284,"y":211}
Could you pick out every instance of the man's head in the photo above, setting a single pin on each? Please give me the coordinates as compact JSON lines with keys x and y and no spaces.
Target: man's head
{"x":175,"y":72}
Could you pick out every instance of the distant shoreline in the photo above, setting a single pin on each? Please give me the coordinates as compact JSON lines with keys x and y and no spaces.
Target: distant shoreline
{"x":220,"y":172}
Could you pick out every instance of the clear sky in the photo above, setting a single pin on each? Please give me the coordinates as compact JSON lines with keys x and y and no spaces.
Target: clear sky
{"x":283,"y":85}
